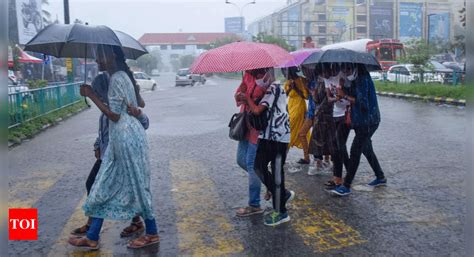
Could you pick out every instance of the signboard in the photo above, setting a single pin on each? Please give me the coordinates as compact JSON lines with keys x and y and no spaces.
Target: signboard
{"x":438,"y":27}
{"x":29,"y":19}
{"x":411,"y":21}
{"x":381,"y":21}
{"x":234,"y":25}
{"x":341,"y":11}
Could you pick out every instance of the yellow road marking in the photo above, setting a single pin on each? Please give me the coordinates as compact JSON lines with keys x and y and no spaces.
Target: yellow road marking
{"x":203,"y":226}
{"x":61,"y":246}
{"x":320,"y":229}
{"x":26,"y":191}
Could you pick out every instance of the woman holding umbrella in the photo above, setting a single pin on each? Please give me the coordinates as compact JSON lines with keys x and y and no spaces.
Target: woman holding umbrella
{"x":122,"y":186}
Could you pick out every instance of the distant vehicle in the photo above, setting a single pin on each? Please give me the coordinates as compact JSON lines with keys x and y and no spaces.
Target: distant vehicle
{"x":375,"y":75}
{"x":184,"y":78}
{"x":446,"y":57}
{"x":458,"y":69}
{"x":443,"y":71}
{"x":407,"y":73}
{"x":144,"y":81}
{"x":14,"y":87}
{"x":386,"y":51}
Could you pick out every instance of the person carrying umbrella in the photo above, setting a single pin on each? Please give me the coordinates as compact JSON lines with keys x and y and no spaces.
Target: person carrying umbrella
{"x":122,"y":186}
{"x":272,"y":145}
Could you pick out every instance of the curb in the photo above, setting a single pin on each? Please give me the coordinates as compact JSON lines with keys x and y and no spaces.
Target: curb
{"x":12,"y":144}
{"x":440,"y":100}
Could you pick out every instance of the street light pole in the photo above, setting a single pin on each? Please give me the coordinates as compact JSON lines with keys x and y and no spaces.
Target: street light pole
{"x":241,"y":10}
{"x":66,"y":12}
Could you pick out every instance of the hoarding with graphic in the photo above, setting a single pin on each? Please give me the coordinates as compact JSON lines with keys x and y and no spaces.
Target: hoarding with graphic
{"x":411,"y":21}
{"x":381,"y":21}
{"x":29,"y":19}
{"x":342,"y":13}
{"x":438,"y":27}
{"x":234,"y":25}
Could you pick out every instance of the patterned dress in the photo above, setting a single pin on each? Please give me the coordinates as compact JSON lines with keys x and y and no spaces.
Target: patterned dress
{"x":122,"y":187}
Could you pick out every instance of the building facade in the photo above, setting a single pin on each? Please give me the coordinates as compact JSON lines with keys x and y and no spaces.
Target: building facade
{"x":332,"y":21}
{"x":174,"y":45}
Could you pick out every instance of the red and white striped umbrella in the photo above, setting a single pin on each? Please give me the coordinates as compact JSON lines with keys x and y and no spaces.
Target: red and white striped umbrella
{"x":240,"y":56}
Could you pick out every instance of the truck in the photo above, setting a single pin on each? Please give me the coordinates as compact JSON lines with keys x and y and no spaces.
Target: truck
{"x":386,"y":51}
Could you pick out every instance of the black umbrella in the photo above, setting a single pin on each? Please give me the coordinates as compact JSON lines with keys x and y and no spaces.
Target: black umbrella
{"x":81,"y":41}
{"x":343,"y":55}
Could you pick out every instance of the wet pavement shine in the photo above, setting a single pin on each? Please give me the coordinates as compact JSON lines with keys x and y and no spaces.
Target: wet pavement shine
{"x":197,"y":185}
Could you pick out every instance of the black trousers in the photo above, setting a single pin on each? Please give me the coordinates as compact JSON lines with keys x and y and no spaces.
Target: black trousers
{"x":340,"y":155}
{"x":363,"y":144}
{"x":92,"y":175}
{"x":275,"y":153}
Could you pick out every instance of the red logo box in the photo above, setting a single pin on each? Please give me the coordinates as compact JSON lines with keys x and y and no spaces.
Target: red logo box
{"x":23,"y":224}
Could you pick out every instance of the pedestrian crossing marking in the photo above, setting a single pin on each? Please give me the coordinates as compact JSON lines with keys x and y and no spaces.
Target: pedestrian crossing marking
{"x":320,"y":229}
{"x":203,"y":226}
{"x":26,"y":191}
{"x":61,"y":247}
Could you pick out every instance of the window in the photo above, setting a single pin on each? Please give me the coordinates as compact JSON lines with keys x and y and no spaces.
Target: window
{"x":139,"y":76}
{"x":163,"y":47}
{"x":361,"y":18}
{"x":399,"y":53}
{"x":322,"y":41}
{"x":178,"y":47}
{"x":386,"y":54}
{"x":321,"y":17}
{"x":361,"y":30}
{"x":322,"y":29}
{"x":404,"y":71}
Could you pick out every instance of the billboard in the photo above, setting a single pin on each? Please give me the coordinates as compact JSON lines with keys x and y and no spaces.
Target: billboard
{"x":381,"y":21}
{"x":438,"y":27}
{"x":29,"y":19}
{"x":411,"y":21}
{"x":234,"y":25}
{"x":342,"y":12}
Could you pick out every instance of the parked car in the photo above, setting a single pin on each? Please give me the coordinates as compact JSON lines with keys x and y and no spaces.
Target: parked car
{"x":376,"y":75}
{"x":408,"y":73}
{"x":458,"y":69}
{"x":14,"y":87}
{"x":184,"y":78}
{"x":144,"y":81}
{"x":443,"y":71}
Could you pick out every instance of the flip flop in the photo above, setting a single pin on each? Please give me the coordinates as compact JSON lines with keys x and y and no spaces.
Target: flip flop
{"x":83,"y":243}
{"x":135,"y":228}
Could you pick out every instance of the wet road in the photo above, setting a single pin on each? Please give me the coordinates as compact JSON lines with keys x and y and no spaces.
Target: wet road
{"x":197,"y":185}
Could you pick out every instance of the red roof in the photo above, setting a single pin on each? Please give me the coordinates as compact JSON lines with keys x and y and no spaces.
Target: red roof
{"x":182,"y":38}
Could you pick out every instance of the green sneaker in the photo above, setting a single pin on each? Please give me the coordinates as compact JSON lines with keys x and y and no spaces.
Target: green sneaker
{"x":276,"y":218}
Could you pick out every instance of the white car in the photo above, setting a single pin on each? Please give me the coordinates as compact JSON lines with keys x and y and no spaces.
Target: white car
{"x":13,"y":87}
{"x":144,"y":81}
{"x":376,"y":75}
{"x":407,"y":73}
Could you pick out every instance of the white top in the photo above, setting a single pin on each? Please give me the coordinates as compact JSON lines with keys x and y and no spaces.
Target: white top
{"x":332,"y":83}
{"x":280,"y":123}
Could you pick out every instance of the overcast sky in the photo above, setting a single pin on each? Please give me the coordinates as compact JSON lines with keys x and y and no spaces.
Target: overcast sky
{"x":137,"y":17}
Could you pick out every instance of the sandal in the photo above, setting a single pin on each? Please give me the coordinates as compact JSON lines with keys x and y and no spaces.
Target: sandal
{"x":81,"y":231}
{"x":83,"y":243}
{"x":303,"y":161}
{"x":135,"y":228}
{"x":249,"y":211}
{"x":268,"y":196}
{"x":144,"y":241}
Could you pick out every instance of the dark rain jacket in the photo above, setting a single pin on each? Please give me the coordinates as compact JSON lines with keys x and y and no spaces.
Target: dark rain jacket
{"x":365,"y":111}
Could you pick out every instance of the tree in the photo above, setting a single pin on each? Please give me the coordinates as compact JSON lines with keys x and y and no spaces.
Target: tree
{"x":186,"y":61}
{"x":418,"y":53}
{"x":269,"y":39}
{"x":159,"y":62}
{"x":223,"y":41}
{"x":147,"y":63}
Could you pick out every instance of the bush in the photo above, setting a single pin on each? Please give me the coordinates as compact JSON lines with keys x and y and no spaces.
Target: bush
{"x":435,"y":90}
{"x":33,"y":84}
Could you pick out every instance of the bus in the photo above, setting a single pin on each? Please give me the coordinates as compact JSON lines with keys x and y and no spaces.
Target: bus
{"x":386,"y":51}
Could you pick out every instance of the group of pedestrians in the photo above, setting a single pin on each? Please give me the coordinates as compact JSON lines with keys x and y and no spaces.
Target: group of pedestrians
{"x":315,"y":112}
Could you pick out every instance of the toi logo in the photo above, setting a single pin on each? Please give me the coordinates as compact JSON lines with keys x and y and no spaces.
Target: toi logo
{"x":23,"y":224}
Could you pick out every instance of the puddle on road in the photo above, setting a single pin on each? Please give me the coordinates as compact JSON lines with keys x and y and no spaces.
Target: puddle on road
{"x":186,"y":125}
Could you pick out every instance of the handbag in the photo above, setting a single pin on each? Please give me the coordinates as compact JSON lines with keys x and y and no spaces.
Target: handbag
{"x":238,"y":126}
{"x":260,"y":122}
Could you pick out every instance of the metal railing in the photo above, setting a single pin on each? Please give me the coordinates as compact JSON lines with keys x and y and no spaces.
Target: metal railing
{"x":432,"y":77}
{"x":31,"y":104}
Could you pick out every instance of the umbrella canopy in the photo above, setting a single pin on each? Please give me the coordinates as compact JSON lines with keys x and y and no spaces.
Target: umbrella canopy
{"x":240,"y":56}
{"x":343,"y":55}
{"x":299,"y":56}
{"x":81,"y":41}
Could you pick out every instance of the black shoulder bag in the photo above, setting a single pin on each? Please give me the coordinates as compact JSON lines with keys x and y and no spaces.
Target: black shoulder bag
{"x":260,"y":122}
{"x":238,"y":123}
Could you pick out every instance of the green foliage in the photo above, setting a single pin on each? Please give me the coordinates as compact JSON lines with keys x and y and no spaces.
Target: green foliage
{"x":185,"y":61}
{"x":418,"y":52}
{"x":33,"y":84}
{"x":269,"y":39}
{"x":223,"y":41}
{"x":435,"y":90}
{"x":147,"y":62}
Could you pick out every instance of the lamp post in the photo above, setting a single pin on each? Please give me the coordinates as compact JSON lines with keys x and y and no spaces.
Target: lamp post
{"x":241,"y":9}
